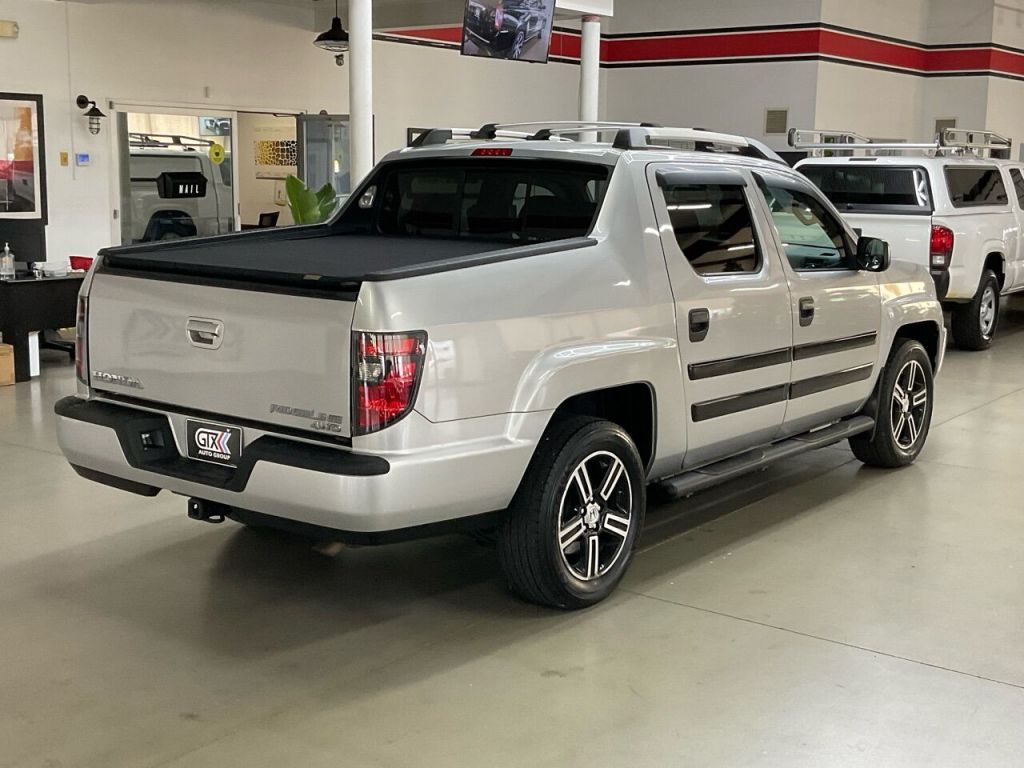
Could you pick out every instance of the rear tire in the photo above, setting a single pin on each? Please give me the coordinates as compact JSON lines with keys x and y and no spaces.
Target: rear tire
{"x":904,"y":416}
{"x":571,"y":529}
{"x":974,"y":323}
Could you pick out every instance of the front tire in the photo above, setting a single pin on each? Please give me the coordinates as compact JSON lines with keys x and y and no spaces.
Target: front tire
{"x":518,"y":44}
{"x":571,"y":529}
{"x":904,"y":409}
{"x":974,"y":323}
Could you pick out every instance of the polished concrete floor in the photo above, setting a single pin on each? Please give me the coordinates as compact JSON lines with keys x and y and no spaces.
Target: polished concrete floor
{"x":818,"y":614}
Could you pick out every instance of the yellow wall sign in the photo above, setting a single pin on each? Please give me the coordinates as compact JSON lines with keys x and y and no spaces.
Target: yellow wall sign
{"x":216,"y":154}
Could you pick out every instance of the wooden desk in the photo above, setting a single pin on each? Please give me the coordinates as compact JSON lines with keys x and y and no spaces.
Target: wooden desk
{"x":27,"y":305}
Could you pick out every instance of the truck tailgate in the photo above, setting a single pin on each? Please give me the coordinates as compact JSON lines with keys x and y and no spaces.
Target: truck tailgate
{"x":282,"y":358}
{"x":908,"y":235}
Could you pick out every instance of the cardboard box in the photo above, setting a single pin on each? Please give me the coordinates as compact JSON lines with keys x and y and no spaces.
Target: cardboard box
{"x":6,"y":365}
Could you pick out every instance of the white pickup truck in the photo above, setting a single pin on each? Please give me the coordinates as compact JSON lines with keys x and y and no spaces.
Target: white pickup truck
{"x":942,"y":205}
{"x":516,"y":331}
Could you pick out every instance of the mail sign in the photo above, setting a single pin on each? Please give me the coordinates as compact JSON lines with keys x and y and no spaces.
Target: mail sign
{"x":177,"y":185}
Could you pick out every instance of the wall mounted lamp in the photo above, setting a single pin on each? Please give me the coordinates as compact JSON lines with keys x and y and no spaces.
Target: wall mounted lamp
{"x":335,"y":39}
{"x":93,"y":113}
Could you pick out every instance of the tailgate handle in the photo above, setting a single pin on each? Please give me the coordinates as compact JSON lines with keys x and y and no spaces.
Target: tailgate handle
{"x":204,"y":333}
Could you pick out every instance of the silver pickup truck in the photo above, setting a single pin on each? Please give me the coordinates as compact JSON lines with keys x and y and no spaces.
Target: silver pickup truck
{"x":506,"y":330}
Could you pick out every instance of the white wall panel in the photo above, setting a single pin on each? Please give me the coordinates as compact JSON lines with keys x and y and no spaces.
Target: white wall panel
{"x":722,"y":97}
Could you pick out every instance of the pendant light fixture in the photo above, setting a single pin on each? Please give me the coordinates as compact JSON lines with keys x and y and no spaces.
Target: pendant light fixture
{"x":335,"y":39}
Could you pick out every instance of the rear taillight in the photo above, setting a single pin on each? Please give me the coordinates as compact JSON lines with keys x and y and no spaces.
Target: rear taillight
{"x":387,"y":369}
{"x":82,"y":340}
{"x":493,"y":152}
{"x":941,"y":247}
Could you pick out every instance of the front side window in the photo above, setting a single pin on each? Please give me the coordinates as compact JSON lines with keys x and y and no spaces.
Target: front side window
{"x":812,"y":238}
{"x":1018,"y":185}
{"x":975,"y":186}
{"x":713,"y":227}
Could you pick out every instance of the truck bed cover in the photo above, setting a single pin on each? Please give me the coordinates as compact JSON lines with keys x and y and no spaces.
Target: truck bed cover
{"x":318,"y":256}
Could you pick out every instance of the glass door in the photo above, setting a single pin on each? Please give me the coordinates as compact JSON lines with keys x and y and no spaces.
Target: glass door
{"x":324,"y":152}
{"x":176,"y":175}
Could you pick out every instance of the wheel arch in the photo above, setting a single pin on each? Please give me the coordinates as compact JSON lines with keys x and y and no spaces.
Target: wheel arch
{"x":927,"y":333}
{"x":995,"y":261}
{"x":632,"y":406}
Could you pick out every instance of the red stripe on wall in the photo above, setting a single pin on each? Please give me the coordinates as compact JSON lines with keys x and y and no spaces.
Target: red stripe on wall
{"x":686,"y":47}
{"x":723,"y":47}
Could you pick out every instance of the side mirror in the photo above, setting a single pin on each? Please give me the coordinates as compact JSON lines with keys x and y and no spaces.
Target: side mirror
{"x":872,"y":254}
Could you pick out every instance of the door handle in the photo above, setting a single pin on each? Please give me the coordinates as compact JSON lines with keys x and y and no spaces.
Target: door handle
{"x":806,"y":311}
{"x":700,"y":322}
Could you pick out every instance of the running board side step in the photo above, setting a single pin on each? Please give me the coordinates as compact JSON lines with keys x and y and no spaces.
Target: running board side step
{"x":722,"y":471}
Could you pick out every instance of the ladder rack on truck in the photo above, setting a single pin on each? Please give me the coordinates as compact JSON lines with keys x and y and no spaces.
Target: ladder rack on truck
{"x":951,"y":141}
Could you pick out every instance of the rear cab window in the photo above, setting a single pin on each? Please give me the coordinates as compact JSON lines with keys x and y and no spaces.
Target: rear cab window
{"x":506,"y":201}
{"x":713,"y":227}
{"x":971,"y":186}
{"x":873,"y":188}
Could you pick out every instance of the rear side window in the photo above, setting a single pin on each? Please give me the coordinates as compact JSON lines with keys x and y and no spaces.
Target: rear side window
{"x":507,"y":201}
{"x":1018,"y":185}
{"x":713,"y":227}
{"x":975,"y":186}
{"x":873,"y":188}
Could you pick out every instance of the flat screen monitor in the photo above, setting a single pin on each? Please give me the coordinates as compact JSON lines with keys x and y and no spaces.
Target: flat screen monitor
{"x":508,"y":29}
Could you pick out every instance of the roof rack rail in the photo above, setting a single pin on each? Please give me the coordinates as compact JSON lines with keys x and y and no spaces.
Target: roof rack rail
{"x":625,"y":136}
{"x":950,"y":141}
{"x":702,"y":140}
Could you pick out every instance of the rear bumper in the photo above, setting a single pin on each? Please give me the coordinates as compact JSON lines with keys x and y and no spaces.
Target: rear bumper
{"x":318,"y":485}
{"x":941,"y":279}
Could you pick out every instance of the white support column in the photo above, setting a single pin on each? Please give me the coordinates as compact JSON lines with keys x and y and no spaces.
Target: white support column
{"x":590,"y":69}
{"x":360,"y":87}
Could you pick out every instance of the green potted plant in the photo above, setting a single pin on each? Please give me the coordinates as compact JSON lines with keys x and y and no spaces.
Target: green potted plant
{"x":307,"y":206}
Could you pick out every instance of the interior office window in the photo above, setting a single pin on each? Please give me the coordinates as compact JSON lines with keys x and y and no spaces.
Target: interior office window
{"x":812,"y":237}
{"x":1018,"y":185}
{"x":713,"y":227}
{"x":975,"y":186}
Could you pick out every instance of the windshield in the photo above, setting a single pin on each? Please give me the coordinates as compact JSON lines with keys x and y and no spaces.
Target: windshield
{"x":514,"y":201}
{"x":878,"y":188}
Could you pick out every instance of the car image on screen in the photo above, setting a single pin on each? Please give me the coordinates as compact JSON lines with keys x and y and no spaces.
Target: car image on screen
{"x":508,"y":29}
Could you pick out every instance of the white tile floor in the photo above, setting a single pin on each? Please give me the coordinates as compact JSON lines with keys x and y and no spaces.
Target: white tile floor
{"x":817,"y":614}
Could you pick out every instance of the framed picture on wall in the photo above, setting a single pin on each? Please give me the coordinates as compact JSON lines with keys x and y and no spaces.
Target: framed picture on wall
{"x":275,"y":152}
{"x":22,"y":157}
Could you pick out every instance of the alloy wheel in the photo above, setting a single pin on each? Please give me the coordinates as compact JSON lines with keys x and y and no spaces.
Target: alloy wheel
{"x":594,"y":520}
{"x":909,"y":405}
{"x":987,"y":311}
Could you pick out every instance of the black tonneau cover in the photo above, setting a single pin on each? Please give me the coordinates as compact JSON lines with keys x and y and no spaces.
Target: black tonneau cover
{"x":316,"y":257}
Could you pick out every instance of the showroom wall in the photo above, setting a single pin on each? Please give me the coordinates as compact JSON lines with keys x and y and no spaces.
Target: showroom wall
{"x":258,"y":56}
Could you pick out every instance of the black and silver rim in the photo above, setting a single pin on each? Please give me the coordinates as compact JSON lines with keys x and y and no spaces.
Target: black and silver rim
{"x":517,"y":46}
{"x":987,"y":311}
{"x":595,"y":519}
{"x":909,"y":405}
